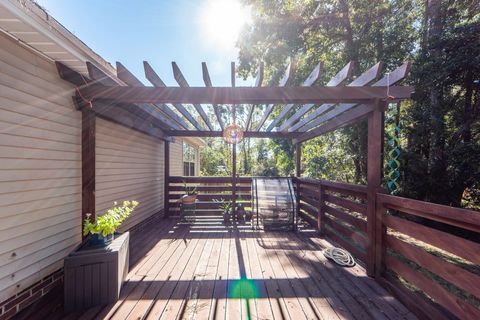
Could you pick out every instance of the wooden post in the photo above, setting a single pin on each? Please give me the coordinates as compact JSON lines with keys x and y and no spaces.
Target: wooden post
{"x":321,"y":211}
{"x":380,"y":232}
{"x":88,"y":163}
{"x":374,"y":174}
{"x":166,"y":178}
{"x":298,"y":173}
{"x":234,"y":179}
{"x":298,"y":160}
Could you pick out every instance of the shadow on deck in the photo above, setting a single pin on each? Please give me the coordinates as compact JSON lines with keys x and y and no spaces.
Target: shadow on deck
{"x":206,"y":270}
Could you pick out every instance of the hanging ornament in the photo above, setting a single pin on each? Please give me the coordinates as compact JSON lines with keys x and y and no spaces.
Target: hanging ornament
{"x":233,"y":133}
{"x":393,"y":164}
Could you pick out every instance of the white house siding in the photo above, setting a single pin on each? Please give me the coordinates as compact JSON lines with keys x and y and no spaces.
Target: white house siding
{"x":40,"y":168}
{"x":129,"y":166}
{"x":176,"y":157}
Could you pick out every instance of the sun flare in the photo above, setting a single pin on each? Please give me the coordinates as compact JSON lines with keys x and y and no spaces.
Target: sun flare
{"x":223,"y":20}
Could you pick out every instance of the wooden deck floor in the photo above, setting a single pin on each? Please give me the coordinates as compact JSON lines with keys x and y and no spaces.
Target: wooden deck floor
{"x":208,"y":271}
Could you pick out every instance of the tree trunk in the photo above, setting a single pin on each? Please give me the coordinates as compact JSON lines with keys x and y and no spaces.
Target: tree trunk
{"x":468,"y":114}
{"x":438,"y":166}
{"x":350,"y":46}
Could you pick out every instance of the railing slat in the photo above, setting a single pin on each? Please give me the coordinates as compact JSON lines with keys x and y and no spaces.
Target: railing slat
{"x":459,"y":307}
{"x":307,"y":217}
{"x":340,"y":187}
{"x":309,"y":209}
{"x":345,"y":244}
{"x":461,"y":247}
{"x":310,"y":201}
{"x":450,"y":272}
{"x":354,"y":221}
{"x":462,"y":218}
{"x":414,"y":301}
{"x":355,"y":236}
{"x":354,"y":206}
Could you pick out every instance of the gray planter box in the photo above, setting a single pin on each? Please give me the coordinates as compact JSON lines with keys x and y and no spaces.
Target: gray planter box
{"x":95,"y":276}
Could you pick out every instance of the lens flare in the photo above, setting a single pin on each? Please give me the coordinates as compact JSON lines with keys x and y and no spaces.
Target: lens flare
{"x":243,"y":289}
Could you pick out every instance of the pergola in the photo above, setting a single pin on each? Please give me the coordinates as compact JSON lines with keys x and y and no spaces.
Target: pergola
{"x":307,"y":111}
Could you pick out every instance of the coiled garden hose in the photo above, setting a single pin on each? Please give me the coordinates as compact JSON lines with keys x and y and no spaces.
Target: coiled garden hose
{"x":339,"y":256}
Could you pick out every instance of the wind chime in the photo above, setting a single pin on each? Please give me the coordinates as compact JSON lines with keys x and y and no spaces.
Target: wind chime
{"x":393,"y":164}
{"x":233,"y":133}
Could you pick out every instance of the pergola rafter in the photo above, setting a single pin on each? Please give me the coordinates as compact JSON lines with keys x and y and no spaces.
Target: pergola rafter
{"x":258,"y":83}
{"x":388,"y":80}
{"x":368,"y":76}
{"x":287,"y":76}
{"x":312,"y":79}
{"x":156,"y":81}
{"x":179,"y":77}
{"x":111,"y":111}
{"x":208,"y":83}
{"x":336,"y":80}
{"x":127,"y":77}
{"x":143,"y":110}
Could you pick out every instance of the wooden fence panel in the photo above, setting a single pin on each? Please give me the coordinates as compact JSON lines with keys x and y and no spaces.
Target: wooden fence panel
{"x":337,"y":210}
{"x":442,"y":265}
{"x":209,"y":191}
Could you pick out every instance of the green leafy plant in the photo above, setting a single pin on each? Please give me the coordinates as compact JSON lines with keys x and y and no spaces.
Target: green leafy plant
{"x":226,"y":206}
{"x":239,"y":202}
{"x":189,"y":191}
{"x":109,"y":222}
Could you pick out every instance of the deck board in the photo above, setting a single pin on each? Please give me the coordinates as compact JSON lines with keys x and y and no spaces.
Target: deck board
{"x":203,"y":271}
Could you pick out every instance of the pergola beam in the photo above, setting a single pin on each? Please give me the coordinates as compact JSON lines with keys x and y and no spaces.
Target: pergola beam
{"x":129,"y":78}
{"x":258,"y":83}
{"x":178,"y":75}
{"x":208,"y":83}
{"x":245,"y":95}
{"x":126,"y":118}
{"x":283,"y":82}
{"x":157,"y":82}
{"x":246,"y":134}
{"x":337,"y":79}
{"x":310,"y":81}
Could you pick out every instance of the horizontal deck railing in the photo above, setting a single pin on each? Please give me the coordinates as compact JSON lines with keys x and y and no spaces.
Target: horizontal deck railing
{"x":433,"y":248}
{"x":338,"y":210}
{"x":210,"y":190}
{"x":428,"y":255}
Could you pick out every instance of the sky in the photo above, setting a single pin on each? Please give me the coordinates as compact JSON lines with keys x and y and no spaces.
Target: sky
{"x":188,"y":32}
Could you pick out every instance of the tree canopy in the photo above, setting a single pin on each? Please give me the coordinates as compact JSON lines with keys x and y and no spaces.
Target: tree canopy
{"x":440,"y":128}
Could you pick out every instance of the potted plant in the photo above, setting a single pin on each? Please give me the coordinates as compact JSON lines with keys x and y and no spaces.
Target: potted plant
{"x":227,"y":207}
{"x":103,"y":228}
{"x":190,"y":195}
{"x":95,"y":271}
{"x":240,"y":213}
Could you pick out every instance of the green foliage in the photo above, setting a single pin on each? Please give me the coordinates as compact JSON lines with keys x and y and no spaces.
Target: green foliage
{"x":109,"y":222}
{"x":189,"y":190}
{"x":215,"y":158}
{"x":440,"y":127}
{"x":226,"y":206}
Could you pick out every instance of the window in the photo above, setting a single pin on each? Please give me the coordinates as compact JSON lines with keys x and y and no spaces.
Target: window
{"x":189,"y":156}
